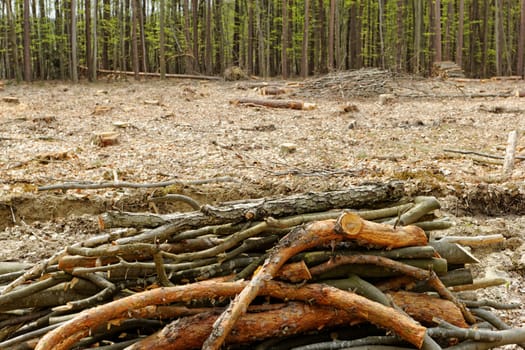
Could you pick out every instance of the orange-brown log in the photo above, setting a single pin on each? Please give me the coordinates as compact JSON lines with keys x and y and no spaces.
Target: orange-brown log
{"x":348,"y":226}
{"x":381,"y":235}
{"x":290,"y":104}
{"x":295,"y":272}
{"x":65,"y":336}
{"x":190,"y":332}
{"x":423,"y":308}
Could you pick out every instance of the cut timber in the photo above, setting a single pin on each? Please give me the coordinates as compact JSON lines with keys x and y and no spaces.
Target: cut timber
{"x":66,"y":335}
{"x":104,"y":139}
{"x":274,"y":90}
{"x":349,"y":226}
{"x":190,"y":332}
{"x":259,"y":209}
{"x":447,"y":69}
{"x":425,"y":308}
{"x":510,"y":153}
{"x":147,"y":74}
{"x":290,"y":104}
{"x":11,"y":99}
{"x":382,"y":235}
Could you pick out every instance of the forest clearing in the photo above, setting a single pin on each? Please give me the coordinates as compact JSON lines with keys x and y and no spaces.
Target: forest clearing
{"x":79,"y":159}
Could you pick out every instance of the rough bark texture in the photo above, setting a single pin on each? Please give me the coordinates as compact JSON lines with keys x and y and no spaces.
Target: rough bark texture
{"x":70,"y":332}
{"x":190,"y":332}
{"x":425,"y":308}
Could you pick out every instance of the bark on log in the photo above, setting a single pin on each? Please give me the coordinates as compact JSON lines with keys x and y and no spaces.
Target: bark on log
{"x":253,"y":210}
{"x":381,"y":235}
{"x":190,"y":332}
{"x":290,"y":104}
{"x":73,"y":330}
{"x":424,"y":308}
{"x":349,"y":226}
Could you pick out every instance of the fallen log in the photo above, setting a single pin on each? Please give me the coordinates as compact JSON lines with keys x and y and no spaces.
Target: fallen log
{"x":150,"y":74}
{"x":290,"y":104}
{"x":190,"y":333}
{"x":348,"y":226}
{"x":73,"y":330}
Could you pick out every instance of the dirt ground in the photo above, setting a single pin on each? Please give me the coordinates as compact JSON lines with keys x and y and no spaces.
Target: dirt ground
{"x":188,"y":130}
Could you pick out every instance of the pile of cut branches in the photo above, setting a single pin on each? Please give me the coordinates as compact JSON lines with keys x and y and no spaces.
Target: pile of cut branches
{"x":362,"y":82}
{"x":329,"y":270}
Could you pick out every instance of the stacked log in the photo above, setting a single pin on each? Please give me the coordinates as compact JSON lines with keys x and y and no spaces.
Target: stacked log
{"x":447,"y":69}
{"x":312,"y":271}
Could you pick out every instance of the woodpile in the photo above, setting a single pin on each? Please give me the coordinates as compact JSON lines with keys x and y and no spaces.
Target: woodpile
{"x":366,"y":82}
{"x":327,"y":270}
{"x":447,"y":69}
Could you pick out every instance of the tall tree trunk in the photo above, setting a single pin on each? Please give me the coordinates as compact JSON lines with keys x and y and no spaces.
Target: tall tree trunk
{"x":437,"y":31}
{"x":219,"y":44}
{"x":498,"y":27}
{"x":236,"y":47}
{"x":381,"y":38}
{"x":95,"y":39}
{"x":188,"y":54}
{"x":260,"y":40}
{"x":27,"y":42}
{"x":400,"y":40}
{"x":195,"y":32}
{"x":284,"y":40}
{"x":134,"y":38}
{"x":304,"y":48}
{"x":331,"y":35}
{"x":448,"y":30}
{"x":418,"y":35}
{"x":162,"y":39}
{"x":460,"y":31}
{"x":42,"y":20}
{"x":87,"y":29}
{"x":208,"y":45}
{"x":250,"y":39}
{"x":12,"y":40}
{"x":143,"y":50}
{"x":106,"y":16}
{"x":521,"y":40}
{"x":74,"y":53}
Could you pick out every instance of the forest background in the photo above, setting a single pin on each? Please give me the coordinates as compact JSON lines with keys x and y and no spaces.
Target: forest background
{"x":65,"y":39}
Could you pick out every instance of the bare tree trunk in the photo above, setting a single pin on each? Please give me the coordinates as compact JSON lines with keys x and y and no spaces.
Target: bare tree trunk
{"x":260,"y":41}
{"x":195,"y":32}
{"x":418,"y":33}
{"x":304,"y":48}
{"x":447,"y":55}
{"x":209,"y":48}
{"x":219,"y":53}
{"x":162,"y":39}
{"x":106,"y":15}
{"x":331,"y":35}
{"x":144,"y":61}
{"x":134,"y":38}
{"x":437,"y":32}
{"x":400,"y":42}
{"x":381,"y":39}
{"x":74,"y":57}
{"x":13,"y":41}
{"x":27,"y":42}
{"x":521,"y":40}
{"x":188,"y":62}
{"x":249,"y":58}
{"x":284,"y":43}
{"x":87,"y":33}
{"x":459,"y":43}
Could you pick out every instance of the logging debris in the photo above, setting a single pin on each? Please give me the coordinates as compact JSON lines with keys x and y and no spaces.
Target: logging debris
{"x":297,"y":270}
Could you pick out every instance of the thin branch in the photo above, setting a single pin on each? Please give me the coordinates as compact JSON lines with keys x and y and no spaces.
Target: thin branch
{"x":122,"y":184}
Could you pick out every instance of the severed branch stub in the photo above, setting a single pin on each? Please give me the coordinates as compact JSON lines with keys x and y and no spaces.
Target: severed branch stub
{"x":349,"y":226}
